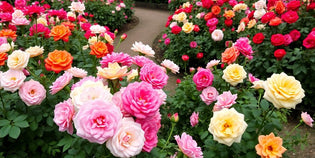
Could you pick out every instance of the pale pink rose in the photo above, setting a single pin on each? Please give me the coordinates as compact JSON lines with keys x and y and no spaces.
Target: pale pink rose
{"x":307,"y":119}
{"x":60,"y":82}
{"x":150,"y":128}
{"x":141,"y":61}
{"x":97,"y":29}
{"x":225,"y":100}
{"x":203,"y":78}
{"x":63,"y":115}
{"x":217,"y":35}
{"x":188,"y":146}
{"x":128,"y":141}
{"x":117,"y":100}
{"x":199,"y":4}
{"x":18,"y":14}
{"x":122,"y":5}
{"x":20,"y":21}
{"x":174,"y":156}
{"x":252,"y":78}
{"x":154,"y":75}
{"x":141,"y":100}
{"x":5,"y":47}
{"x":194,"y":118}
{"x":77,"y":72}
{"x":12,"y":80}
{"x":162,"y":95}
{"x":170,"y":65}
{"x":164,"y":36}
{"x":209,"y":95}
{"x":77,"y":7}
{"x":212,"y":63}
{"x":88,"y":78}
{"x":32,"y":93}
{"x":3,"y":40}
{"x":242,"y":44}
{"x":117,"y":8}
{"x":113,"y":11}
{"x":173,"y":24}
{"x":143,"y":49}
{"x":97,"y":121}
{"x":122,"y":59}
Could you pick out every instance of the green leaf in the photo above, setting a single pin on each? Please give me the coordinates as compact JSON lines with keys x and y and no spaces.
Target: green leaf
{"x":4,"y":131}
{"x":4,"y":122}
{"x":22,"y":124}
{"x":20,"y":118}
{"x":33,"y":126}
{"x":14,"y":132}
{"x":204,"y":134}
{"x":264,"y":104}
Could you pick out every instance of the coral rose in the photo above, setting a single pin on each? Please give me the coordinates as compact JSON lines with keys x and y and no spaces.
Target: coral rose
{"x":58,"y":60}
{"x":188,"y":146}
{"x":280,"y":7}
{"x":8,"y":33}
{"x":283,"y":91}
{"x":216,"y":10}
{"x":63,"y":115}
{"x":3,"y":58}
{"x":227,"y":126}
{"x":32,"y":93}
{"x":230,"y":55}
{"x":275,"y":21}
{"x":229,"y":14}
{"x":99,"y":49}
{"x":270,"y":146}
{"x":60,"y":32}
{"x":234,"y":74}
{"x":203,"y":78}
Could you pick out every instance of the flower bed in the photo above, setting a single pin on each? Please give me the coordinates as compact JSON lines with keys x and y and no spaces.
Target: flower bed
{"x":67,"y":93}
{"x":270,"y":37}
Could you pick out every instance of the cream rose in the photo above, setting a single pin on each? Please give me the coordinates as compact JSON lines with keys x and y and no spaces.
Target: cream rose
{"x":42,"y":20}
{"x":227,"y":126}
{"x":259,"y":13}
{"x":35,"y":51}
{"x":18,"y":60}
{"x":92,"y":40}
{"x":234,"y":74}
{"x":188,"y":27}
{"x":132,"y":75}
{"x":109,"y":39}
{"x":283,"y":91}
{"x":239,"y":7}
{"x":181,"y":17}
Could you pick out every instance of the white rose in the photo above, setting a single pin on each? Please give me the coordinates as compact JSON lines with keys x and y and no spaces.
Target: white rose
{"x":217,"y":35}
{"x":259,"y":13}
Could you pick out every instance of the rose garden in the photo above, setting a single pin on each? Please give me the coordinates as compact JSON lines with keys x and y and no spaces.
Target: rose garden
{"x":243,"y":69}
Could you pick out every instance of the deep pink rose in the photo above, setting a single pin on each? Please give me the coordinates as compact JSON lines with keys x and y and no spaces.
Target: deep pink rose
{"x":193,"y":44}
{"x":167,"y":41}
{"x":277,"y":39}
{"x":295,"y":35}
{"x":206,"y":3}
{"x":20,"y":3}
{"x":188,"y":146}
{"x":97,"y":121}
{"x":194,"y":119}
{"x":154,"y":75}
{"x":209,"y":95}
{"x":225,"y":100}
{"x":42,"y":30}
{"x":3,"y":40}
{"x":32,"y":93}
{"x":141,"y":60}
{"x":290,"y":17}
{"x":122,"y":59}
{"x":5,"y":17}
{"x":203,"y":78}
{"x":287,"y":39}
{"x":242,"y":44}
{"x":309,"y":41}
{"x":252,"y":78}
{"x":267,"y":17}
{"x":212,"y":22}
{"x":141,"y":100}
{"x":63,"y":114}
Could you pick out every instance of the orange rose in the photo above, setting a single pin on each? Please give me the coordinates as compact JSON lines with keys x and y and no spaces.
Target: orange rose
{"x":245,"y":20}
{"x":280,"y":8}
{"x":208,"y":16}
{"x":216,"y":10}
{"x":229,"y":14}
{"x":58,"y":60}
{"x":8,"y":33}
{"x":275,"y":21}
{"x":60,"y":32}
{"x":99,"y":49}
{"x":70,"y":25}
{"x":3,"y":58}
{"x":230,"y":55}
{"x":270,"y":146}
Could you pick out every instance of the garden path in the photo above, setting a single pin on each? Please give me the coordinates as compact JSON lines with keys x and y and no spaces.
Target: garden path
{"x":151,"y":23}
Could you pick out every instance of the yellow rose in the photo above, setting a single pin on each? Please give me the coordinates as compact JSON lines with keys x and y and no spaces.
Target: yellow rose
{"x":186,"y":5}
{"x":188,"y":27}
{"x":113,"y":71}
{"x":35,"y":51}
{"x":239,"y":7}
{"x":181,"y":17}
{"x":227,"y":126}
{"x":92,"y":40}
{"x":251,"y":23}
{"x":132,"y":75}
{"x":42,"y":20}
{"x":234,"y":74}
{"x":283,"y":91}
{"x":18,"y":60}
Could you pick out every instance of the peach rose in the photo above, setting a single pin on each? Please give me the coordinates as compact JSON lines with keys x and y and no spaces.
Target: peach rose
{"x":229,"y":14}
{"x":35,"y":51}
{"x":18,"y":60}
{"x":112,"y":72}
{"x":270,"y":146}
{"x":230,"y":55}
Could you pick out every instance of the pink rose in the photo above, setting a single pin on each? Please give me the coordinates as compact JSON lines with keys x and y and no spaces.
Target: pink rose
{"x":203,"y":78}
{"x":117,"y":100}
{"x":307,"y":119}
{"x":20,"y":21}
{"x":193,"y":44}
{"x":194,"y":119}
{"x":209,"y":95}
{"x":63,"y":114}
{"x":32,"y":93}
{"x":77,"y":72}
{"x":150,"y":128}
{"x":122,"y":59}
{"x":212,"y":22}
{"x":225,"y":100}
{"x":167,"y":41}
{"x":141,"y":60}
{"x":60,"y":82}
{"x":242,"y":44}
{"x":141,"y":100}
{"x":252,"y":78}
{"x":188,"y":146}
{"x":97,"y":121}
{"x":20,"y":3}
{"x":154,"y":75}
{"x":287,"y":39}
{"x":11,"y":80}
{"x":3,"y":40}
{"x":128,"y":141}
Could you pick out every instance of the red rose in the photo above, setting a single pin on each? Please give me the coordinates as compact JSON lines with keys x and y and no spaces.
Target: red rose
{"x":208,"y":16}
{"x":178,"y":81}
{"x":277,"y":39}
{"x":295,"y":35}
{"x":196,"y":28}
{"x":267,"y":17}
{"x":185,"y":57}
{"x":279,"y":54}
{"x":176,"y":30}
{"x":309,"y":41}
{"x":167,"y":24}
{"x":311,"y":6}
{"x":251,"y":14}
{"x":199,"y":55}
{"x":290,"y":17}
{"x":228,"y":22}
{"x":206,"y":3}
{"x":258,"y":38}
{"x":293,"y":5}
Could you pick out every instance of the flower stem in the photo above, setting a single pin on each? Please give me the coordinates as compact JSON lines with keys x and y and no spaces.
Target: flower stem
{"x":264,"y":119}
{"x":298,"y":125}
{"x":169,"y":136}
{"x":117,"y":45}
{"x":3,"y":107}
